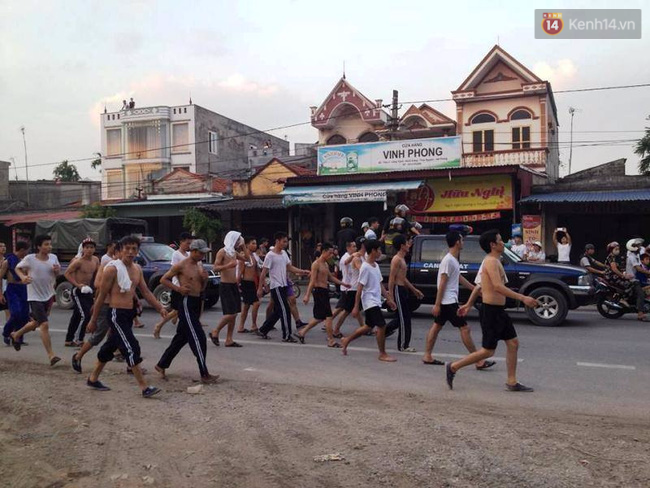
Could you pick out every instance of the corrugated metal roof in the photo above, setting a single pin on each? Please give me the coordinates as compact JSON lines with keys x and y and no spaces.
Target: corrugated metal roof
{"x":27,"y":218}
{"x":590,"y":196}
{"x":244,"y":204}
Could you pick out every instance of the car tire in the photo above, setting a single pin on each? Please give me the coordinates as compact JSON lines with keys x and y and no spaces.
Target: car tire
{"x":64,"y":295}
{"x":163,"y":295}
{"x":553,"y":309}
{"x":210,"y":302}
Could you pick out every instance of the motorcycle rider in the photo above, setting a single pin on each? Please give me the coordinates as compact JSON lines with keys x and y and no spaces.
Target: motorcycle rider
{"x":616,"y":277}
{"x":346,"y":234}
{"x":592,"y":265}
{"x":633,"y":266}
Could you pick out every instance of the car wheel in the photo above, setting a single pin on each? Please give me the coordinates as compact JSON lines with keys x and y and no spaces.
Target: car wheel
{"x":163,"y":295}
{"x":552,"y":310}
{"x":605,"y":310}
{"x":64,"y":298}
{"x":210,"y":302}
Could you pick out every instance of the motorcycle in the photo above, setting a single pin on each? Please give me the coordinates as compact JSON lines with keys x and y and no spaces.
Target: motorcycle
{"x":610,"y":301}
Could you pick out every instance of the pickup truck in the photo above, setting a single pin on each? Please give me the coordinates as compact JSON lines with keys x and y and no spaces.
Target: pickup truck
{"x":155,"y":260}
{"x":558,"y":288}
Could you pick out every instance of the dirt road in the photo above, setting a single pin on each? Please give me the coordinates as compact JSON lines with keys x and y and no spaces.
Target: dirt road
{"x":55,"y":433}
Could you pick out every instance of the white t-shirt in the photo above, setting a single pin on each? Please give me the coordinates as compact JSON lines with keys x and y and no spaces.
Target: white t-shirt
{"x":105,"y":260}
{"x":536,"y":256}
{"x":370,"y":278}
{"x":563,"y":252}
{"x":41,"y":289}
{"x":451,"y":267}
{"x":519,"y":249}
{"x":633,"y":259}
{"x":177,"y":257}
{"x":349,"y":274}
{"x":370,"y":235}
{"x":277,"y":266}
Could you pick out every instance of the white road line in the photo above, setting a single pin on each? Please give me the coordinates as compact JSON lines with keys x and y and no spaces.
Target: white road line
{"x":610,"y":366}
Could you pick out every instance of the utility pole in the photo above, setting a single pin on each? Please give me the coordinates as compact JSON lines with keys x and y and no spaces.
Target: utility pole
{"x":572,"y":111}
{"x":22,"y":129}
{"x":394,"y":117}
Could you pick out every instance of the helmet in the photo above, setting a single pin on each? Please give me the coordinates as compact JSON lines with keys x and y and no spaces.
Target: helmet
{"x":365,"y":225}
{"x":611,"y":246}
{"x":402,"y":208}
{"x":398,"y":221}
{"x":417,"y":225}
{"x":633,"y":244}
{"x":589,"y":247}
{"x":346,"y":222}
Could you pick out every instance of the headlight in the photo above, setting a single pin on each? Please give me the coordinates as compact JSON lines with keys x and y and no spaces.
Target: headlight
{"x":584,"y":280}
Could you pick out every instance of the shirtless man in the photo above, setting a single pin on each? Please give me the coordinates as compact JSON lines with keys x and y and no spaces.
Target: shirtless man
{"x":192,"y":279}
{"x":369,"y":293}
{"x":226,"y":263}
{"x":249,"y":276}
{"x":120,"y":279}
{"x":80,"y":275}
{"x":398,"y":290}
{"x":39,"y":271}
{"x":495,"y":322}
{"x":320,"y":275}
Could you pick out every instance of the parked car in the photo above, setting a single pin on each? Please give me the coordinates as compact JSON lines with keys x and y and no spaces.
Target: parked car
{"x":155,"y":260}
{"x":558,"y":288}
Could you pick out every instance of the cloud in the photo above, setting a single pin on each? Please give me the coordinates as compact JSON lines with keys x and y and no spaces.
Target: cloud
{"x":558,"y":74}
{"x":238,"y":83}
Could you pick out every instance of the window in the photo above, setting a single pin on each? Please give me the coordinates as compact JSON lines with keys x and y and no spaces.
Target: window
{"x":180,"y":138}
{"x":336,"y":139}
{"x":433,"y":250}
{"x":212,"y":144}
{"x":114,"y":184}
{"x":482,"y":119}
{"x":472,"y":252}
{"x":368,"y":137}
{"x":113,"y":142}
{"x":482,"y":141}
{"x":146,"y":140}
{"x":521,"y":115}
{"x":521,"y":137}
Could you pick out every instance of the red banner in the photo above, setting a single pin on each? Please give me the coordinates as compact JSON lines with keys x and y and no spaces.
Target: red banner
{"x":452,"y":219}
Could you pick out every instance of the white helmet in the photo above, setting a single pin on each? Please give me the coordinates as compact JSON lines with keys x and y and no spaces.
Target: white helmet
{"x":402,"y":208}
{"x":417,"y":225}
{"x":365,"y":225}
{"x":398,"y":221}
{"x":633,"y":244}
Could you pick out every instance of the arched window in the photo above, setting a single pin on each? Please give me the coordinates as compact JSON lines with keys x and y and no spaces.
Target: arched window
{"x":521,"y":115}
{"x":483,"y":118}
{"x":368,"y":137}
{"x":336,"y":139}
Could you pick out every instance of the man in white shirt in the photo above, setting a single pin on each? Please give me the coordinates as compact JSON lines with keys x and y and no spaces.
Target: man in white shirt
{"x":446,"y":306}
{"x":519,"y":248}
{"x":185,"y":240}
{"x":371,"y":233}
{"x":369,"y":293}
{"x":563,"y":245}
{"x":350,"y":265}
{"x":39,"y":271}
{"x":110,"y":254}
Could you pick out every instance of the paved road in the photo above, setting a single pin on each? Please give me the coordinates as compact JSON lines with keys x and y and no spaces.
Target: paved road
{"x":589,"y":365}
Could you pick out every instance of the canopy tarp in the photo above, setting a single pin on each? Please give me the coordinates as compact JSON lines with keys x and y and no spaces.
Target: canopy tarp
{"x":68,"y":234}
{"x":362,"y":192}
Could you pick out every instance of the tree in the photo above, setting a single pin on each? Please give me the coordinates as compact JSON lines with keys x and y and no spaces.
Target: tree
{"x":97,"y":162}
{"x":97,"y":211}
{"x":201,"y":224}
{"x":642,"y":149}
{"x":66,"y":172}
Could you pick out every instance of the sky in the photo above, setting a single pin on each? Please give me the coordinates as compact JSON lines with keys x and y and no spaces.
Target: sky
{"x":265,"y":63}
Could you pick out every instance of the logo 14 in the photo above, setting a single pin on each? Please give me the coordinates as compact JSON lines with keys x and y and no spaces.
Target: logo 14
{"x":552,"y":23}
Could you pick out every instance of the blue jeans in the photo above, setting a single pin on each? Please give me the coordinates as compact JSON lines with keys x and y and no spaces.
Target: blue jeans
{"x":16,"y":296}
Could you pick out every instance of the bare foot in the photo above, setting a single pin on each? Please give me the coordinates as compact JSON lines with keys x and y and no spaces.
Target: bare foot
{"x":387,"y":358}
{"x":209,"y":379}
{"x":162,"y":373}
{"x":344,"y":346}
{"x":156,"y":332}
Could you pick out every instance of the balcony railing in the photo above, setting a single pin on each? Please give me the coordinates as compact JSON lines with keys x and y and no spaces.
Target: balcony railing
{"x":535,"y":158}
{"x":145,"y":113}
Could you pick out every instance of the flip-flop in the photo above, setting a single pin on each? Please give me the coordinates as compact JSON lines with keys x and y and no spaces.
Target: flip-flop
{"x":234,"y":344}
{"x":54,"y":360}
{"x":245,"y":331}
{"x":215,"y":340}
{"x":435,"y":362}
{"x":300,"y":338}
{"x":16,"y":345}
{"x":336,"y":345}
{"x":338,"y":336}
{"x":486,"y":365}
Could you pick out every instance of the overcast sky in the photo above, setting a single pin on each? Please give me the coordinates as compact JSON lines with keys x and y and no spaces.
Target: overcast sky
{"x":265,"y":63}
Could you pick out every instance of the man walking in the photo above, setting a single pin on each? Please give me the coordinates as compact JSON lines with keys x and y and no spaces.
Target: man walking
{"x":318,"y":286}
{"x":80,"y":275}
{"x":39,"y":271}
{"x":446,"y":306}
{"x":191,"y":278}
{"x":276,"y":265}
{"x":369,"y":293}
{"x":398,"y":290}
{"x":16,"y":294}
{"x":350,"y":265}
{"x":121,"y":278}
{"x":495,"y":322}
{"x":226,"y":263}
{"x":249,"y":275}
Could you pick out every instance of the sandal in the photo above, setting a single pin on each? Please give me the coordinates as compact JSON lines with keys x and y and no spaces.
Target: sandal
{"x":300,"y":338}
{"x":215,"y":340}
{"x":234,"y":344}
{"x":245,"y":331}
{"x":54,"y":360}
{"x":336,"y":345}
{"x":486,"y":365}
{"x":435,"y":362}
{"x":338,"y":336}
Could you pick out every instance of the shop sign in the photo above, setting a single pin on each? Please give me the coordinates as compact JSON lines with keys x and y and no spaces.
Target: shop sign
{"x":379,"y":157}
{"x":462,"y":194}
{"x":343,"y":196}
{"x":456,"y":219}
{"x":532,"y":225}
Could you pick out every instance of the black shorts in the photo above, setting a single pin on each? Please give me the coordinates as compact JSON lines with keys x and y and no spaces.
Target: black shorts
{"x":40,"y":311}
{"x":374,"y":317}
{"x":496,"y":325}
{"x":248,"y":292}
{"x":176,"y":300}
{"x":449,"y":313}
{"x":230,"y":299}
{"x":322,"y":308}
{"x":348,"y":298}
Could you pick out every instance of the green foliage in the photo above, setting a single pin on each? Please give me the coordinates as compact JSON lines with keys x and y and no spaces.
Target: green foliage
{"x":97,"y":211}
{"x":66,"y":172}
{"x":202,"y":225}
{"x":642,"y":149}
{"x":97,"y":163}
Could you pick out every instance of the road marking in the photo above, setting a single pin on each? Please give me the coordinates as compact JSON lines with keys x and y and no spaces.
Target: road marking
{"x":250,"y":369}
{"x":610,"y":366}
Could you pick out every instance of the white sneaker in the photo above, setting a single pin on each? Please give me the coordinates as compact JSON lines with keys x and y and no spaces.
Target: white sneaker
{"x":409,"y":349}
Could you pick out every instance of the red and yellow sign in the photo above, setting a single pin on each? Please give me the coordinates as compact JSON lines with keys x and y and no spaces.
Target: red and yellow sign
{"x":454,"y":219}
{"x":532,"y":225}
{"x":463,"y":194}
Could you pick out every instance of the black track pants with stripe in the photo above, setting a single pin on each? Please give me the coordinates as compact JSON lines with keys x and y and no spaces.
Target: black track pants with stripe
{"x":402,"y":320}
{"x":281,"y":311}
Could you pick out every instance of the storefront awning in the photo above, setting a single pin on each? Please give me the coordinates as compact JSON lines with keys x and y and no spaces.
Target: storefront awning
{"x":590,"y":197}
{"x":363,"y":192}
{"x":29,"y":218}
{"x":244,"y":204}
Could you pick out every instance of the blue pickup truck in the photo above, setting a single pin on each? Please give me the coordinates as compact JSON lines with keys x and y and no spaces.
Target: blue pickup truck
{"x":559,"y":288}
{"x":155,"y":259}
